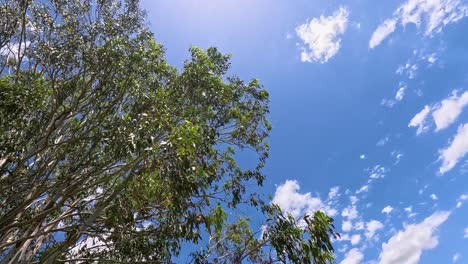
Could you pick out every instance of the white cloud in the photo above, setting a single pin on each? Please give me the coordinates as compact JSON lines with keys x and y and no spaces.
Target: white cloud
{"x":372,"y":227}
{"x":447,"y":111}
{"x":387,"y":209}
{"x":330,"y":211}
{"x":350,"y":212}
{"x":347,"y":226}
{"x":419,"y":120}
{"x":13,"y":50}
{"x":288,"y":198}
{"x":382,"y":32}
{"x":456,"y":257}
{"x":408,"y":69}
{"x":432,"y":58}
{"x":93,"y":244}
{"x":444,"y":113}
{"x":354,"y":256}
{"x":466,"y":233}
{"x":377,"y":172}
{"x":435,"y":14}
{"x":407,"y":245}
{"x":412,"y":215}
{"x":364,"y":188}
{"x":397,"y":155}
{"x":343,"y":248}
{"x":400,"y":93}
{"x":434,"y":197}
{"x":363,"y":156}
{"x":359,"y":226}
{"x":382,"y":142}
{"x":334,"y":192}
{"x":409,"y":209}
{"x":462,"y":198}
{"x":322,"y":36}
{"x":355,"y":239}
{"x":429,"y":58}
{"x":457,"y":149}
{"x":388,"y":102}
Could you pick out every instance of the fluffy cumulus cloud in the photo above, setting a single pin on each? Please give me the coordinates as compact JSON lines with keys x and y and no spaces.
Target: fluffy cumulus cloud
{"x":354,"y":256}
{"x":289,"y":199}
{"x":448,"y":110}
{"x":321,"y":37}
{"x":456,"y":257}
{"x":347,"y":226}
{"x":433,"y":15}
{"x":355,"y":239}
{"x":456,"y":150}
{"x":350,"y":212}
{"x":406,"y":246}
{"x":372,"y":227}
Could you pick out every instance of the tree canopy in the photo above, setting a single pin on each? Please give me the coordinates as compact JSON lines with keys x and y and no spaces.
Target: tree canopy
{"x":110,"y":154}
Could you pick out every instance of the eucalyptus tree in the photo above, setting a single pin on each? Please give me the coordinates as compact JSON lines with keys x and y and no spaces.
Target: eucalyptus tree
{"x":110,"y":154}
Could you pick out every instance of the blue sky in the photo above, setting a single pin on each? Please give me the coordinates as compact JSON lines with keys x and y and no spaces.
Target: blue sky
{"x":369,"y":107}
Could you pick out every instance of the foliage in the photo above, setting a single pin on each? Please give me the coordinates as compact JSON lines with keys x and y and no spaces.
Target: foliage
{"x":108,"y":153}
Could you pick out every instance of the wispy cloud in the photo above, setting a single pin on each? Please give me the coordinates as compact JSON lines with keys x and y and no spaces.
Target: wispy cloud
{"x":321,"y":37}
{"x":382,"y":32}
{"x":461,"y":199}
{"x":456,"y":150}
{"x":444,"y":113}
{"x":408,"y":70}
{"x":448,"y":110}
{"x":419,"y":120}
{"x":400,"y":93}
{"x":432,"y":14}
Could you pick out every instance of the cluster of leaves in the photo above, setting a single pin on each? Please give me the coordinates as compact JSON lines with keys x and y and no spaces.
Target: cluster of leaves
{"x":108,"y":153}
